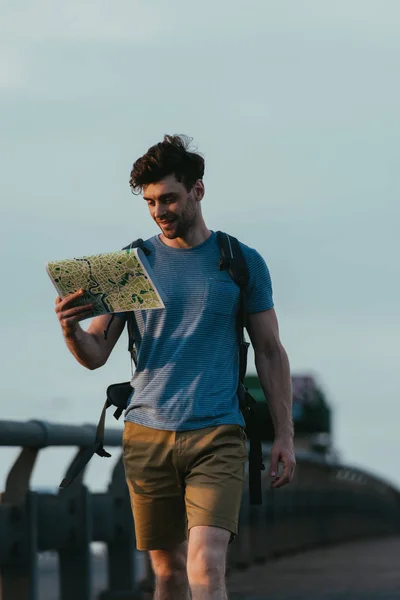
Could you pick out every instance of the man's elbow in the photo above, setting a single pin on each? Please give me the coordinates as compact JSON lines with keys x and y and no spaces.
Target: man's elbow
{"x":95,"y":363}
{"x":269,"y":351}
{"x":93,"y":366}
{"x":99,"y":354}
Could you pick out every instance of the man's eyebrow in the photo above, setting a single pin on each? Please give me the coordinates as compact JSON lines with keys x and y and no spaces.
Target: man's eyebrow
{"x":162,"y":196}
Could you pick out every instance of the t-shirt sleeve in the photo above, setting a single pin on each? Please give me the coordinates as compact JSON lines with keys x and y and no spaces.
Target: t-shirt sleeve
{"x":120,"y":315}
{"x":258,"y":293}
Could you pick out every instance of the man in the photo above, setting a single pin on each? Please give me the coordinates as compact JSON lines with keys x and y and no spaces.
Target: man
{"x":184,"y":445}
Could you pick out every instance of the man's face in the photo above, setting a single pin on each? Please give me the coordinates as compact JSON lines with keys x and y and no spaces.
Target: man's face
{"x":172,"y":207}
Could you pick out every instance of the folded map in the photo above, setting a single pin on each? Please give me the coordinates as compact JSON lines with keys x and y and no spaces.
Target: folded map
{"x":114,"y":282}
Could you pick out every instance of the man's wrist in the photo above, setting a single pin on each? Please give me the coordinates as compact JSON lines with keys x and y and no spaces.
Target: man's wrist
{"x":286,"y":433}
{"x":69,"y":332}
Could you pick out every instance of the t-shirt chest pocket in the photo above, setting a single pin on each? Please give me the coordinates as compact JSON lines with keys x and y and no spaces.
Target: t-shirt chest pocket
{"x":221,"y":297}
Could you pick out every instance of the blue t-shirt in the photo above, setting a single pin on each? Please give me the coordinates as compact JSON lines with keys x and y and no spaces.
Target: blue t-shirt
{"x":187,"y":372}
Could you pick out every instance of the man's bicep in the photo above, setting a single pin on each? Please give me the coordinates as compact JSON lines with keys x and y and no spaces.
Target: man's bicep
{"x":263,"y":330}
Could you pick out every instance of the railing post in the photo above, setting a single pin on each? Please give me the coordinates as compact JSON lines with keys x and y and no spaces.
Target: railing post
{"x":121,"y":544}
{"x":74,"y":553}
{"x":19,"y":573}
{"x":260,"y":523}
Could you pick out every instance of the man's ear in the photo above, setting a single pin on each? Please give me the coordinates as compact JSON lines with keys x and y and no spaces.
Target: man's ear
{"x":199,"y":189}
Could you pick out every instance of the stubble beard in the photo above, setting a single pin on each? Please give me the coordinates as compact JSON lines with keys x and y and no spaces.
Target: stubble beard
{"x":182,"y":224}
{"x":181,"y":228}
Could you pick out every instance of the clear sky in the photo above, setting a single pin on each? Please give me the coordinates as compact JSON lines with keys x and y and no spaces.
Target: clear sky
{"x":294,"y":105}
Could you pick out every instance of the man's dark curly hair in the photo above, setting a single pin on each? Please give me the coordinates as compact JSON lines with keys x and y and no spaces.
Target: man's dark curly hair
{"x":169,"y":157}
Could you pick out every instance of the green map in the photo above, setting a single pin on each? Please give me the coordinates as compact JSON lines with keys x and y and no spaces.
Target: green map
{"x":115,"y":281}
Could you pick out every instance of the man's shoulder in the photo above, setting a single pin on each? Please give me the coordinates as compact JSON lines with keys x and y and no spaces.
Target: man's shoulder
{"x":149,"y":243}
{"x":255,"y":261}
{"x":249,"y":253}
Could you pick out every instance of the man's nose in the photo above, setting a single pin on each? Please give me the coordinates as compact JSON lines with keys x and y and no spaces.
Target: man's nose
{"x":159,"y":211}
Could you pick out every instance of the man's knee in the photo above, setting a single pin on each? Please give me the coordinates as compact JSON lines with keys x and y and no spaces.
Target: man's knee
{"x":207,"y":555}
{"x":207,"y":567}
{"x":169,"y":566}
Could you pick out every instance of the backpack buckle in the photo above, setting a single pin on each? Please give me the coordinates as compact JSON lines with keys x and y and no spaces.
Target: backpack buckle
{"x":224,"y":263}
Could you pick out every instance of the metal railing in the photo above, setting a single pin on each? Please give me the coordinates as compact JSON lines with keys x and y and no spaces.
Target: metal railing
{"x":326,"y":503}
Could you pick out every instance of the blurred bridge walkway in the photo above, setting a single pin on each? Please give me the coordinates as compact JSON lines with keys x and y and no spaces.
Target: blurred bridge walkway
{"x":358,"y":570}
{"x":46,"y":536}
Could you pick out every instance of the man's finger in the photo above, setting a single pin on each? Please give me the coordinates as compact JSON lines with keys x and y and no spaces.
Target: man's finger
{"x":70,"y":298}
{"x":76,"y":319}
{"x":67,"y":301}
{"x":287,"y":475}
{"x":274,"y":464}
{"x":76,"y":311}
{"x":280,"y":482}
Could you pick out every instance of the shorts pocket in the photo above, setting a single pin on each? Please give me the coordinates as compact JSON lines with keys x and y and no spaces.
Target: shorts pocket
{"x":221,"y":297}
{"x":128,"y":434}
{"x":242,"y":433}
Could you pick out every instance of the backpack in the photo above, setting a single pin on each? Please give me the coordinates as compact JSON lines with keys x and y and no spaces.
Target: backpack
{"x":118,"y":394}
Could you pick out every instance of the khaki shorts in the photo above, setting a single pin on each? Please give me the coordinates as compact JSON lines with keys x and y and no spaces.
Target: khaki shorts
{"x":178,"y":480}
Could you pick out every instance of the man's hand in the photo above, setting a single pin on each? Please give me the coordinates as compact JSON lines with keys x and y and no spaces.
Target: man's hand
{"x":90,"y":347}
{"x":69,"y":316}
{"x":282,"y":451}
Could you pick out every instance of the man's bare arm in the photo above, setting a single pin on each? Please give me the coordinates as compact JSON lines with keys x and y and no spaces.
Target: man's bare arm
{"x":90,"y":348}
{"x":273,"y":370}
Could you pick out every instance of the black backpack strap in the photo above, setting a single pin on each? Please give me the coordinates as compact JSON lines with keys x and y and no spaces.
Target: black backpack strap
{"x":233,"y":260}
{"x":130,"y":316}
{"x":85,"y":455}
{"x":121,"y":390}
{"x":139,"y":243}
{"x":118,"y":395}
